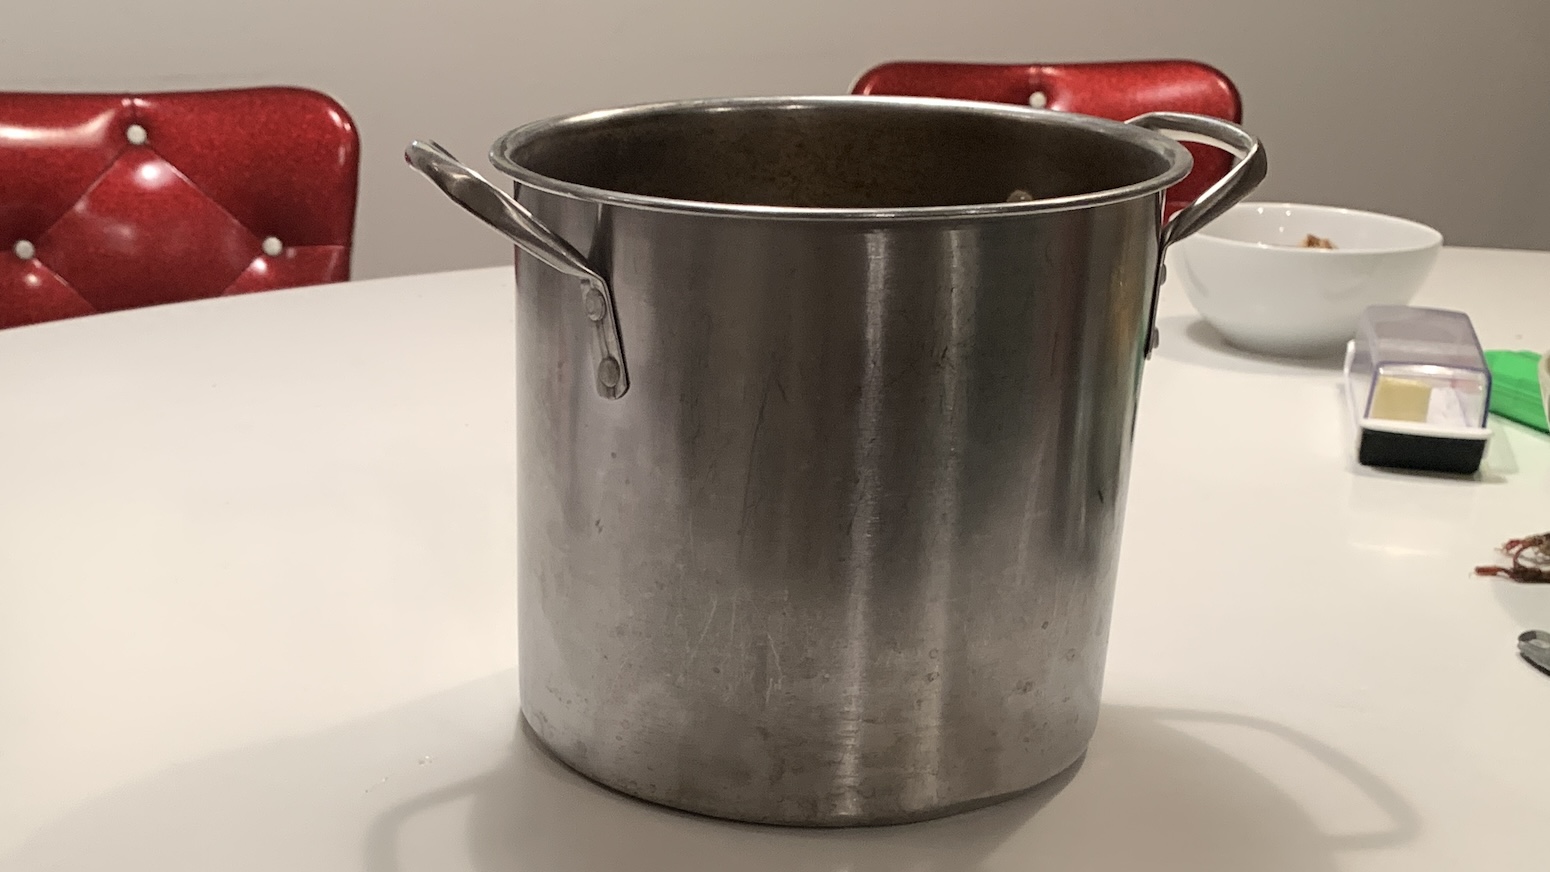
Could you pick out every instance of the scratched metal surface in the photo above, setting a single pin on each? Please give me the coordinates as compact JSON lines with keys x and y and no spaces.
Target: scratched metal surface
{"x":844,"y":551}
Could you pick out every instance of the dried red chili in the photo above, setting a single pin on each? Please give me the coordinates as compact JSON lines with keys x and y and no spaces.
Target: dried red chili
{"x":1530,"y":560}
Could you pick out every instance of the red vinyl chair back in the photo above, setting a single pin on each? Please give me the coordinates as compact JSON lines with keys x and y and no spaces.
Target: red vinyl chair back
{"x":1119,"y":90}
{"x":112,"y":201}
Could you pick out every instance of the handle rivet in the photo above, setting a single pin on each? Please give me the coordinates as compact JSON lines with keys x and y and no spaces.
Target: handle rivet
{"x":597,"y":307}
{"x":608,"y":372}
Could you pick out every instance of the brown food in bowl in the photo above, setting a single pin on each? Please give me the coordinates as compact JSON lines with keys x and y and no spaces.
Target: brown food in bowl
{"x":1311,"y":241}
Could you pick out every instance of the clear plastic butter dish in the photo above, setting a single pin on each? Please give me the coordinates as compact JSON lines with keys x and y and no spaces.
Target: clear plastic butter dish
{"x":1419,"y":389}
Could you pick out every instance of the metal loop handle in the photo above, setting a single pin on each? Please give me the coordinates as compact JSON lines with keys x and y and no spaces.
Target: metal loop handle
{"x":1247,"y":171}
{"x":512,"y":220}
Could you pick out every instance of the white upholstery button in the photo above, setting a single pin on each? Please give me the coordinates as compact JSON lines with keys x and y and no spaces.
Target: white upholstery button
{"x":273,"y":246}
{"x":1038,"y":100}
{"x":135,"y":134}
{"x":24,"y":249}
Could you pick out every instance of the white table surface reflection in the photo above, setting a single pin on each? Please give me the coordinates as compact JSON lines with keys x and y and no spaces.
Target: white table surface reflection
{"x":257,"y":611}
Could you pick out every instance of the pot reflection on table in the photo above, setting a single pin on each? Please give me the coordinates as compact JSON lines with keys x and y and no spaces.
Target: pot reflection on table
{"x":1149,"y":795}
{"x":442,"y":784}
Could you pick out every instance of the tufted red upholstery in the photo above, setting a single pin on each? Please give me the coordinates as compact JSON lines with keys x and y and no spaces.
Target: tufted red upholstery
{"x":91,"y":221}
{"x":1118,"y":90}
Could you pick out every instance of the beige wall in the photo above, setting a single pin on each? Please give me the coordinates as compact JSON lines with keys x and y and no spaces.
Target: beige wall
{"x":1434,"y":109}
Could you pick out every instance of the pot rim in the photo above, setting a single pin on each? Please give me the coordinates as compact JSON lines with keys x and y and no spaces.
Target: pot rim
{"x":1178,"y":157}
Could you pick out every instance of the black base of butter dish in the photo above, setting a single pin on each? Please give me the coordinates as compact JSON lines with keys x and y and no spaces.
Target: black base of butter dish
{"x":1413,"y":451}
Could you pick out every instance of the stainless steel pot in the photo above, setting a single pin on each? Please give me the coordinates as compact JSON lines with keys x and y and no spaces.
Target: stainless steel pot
{"x":823,"y":442}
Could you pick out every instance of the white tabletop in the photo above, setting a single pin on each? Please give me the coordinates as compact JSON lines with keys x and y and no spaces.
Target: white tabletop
{"x":257,"y":611}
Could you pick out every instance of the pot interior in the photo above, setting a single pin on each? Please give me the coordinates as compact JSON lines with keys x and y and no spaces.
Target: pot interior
{"x":840,"y":153}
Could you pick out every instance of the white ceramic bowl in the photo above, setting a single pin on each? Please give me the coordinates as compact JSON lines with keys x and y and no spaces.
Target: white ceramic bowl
{"x":1250,"y":277}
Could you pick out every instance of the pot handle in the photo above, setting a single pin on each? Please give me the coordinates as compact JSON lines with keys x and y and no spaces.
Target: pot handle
{"x":1247,"y":171}
{"x":512,"y":220}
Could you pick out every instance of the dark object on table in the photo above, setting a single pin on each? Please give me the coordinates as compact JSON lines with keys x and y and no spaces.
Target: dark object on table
{"x":116,"y":201}
{"x":1530,"y":560}
{"x":1534,"y":645}
{"x":1118,"y":90}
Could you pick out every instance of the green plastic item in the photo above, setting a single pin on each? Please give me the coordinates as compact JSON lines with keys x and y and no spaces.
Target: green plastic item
{"x":1515,"y":387}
